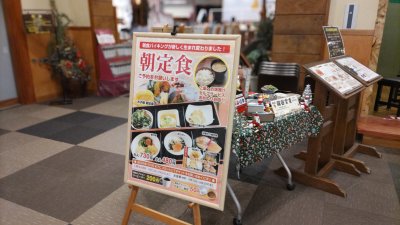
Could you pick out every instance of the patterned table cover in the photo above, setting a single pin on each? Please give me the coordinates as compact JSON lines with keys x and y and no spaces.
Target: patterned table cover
{"x":252,"y":144}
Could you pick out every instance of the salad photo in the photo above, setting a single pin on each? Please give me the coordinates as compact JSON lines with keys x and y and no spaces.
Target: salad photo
{"x":142,"y":119}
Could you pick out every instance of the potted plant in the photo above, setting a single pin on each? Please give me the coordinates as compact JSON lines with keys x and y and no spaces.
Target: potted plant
{"x":64,"y":60}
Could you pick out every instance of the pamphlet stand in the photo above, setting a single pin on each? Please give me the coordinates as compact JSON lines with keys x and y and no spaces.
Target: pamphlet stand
{"x":344,"y":145}
{"x":132,"y":206}
{"x":319,"y":160}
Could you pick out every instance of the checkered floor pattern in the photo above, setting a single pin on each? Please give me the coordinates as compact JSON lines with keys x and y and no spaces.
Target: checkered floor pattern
{"x":64,"y":165}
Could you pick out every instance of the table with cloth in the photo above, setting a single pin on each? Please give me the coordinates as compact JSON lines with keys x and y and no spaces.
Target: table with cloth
{"x":253,"y":144}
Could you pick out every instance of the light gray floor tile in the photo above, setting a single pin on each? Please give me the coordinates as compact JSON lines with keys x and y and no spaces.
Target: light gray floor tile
{"x":81,"y":103}
{"x":27,"y":153}
{"x":12,"y":140}
{"x":18,"y":123}
{"x":114,"y":140}
{"x":20,"y":116}
{"x":21,"y":110}
{"x":51,"y":112}
{"x":13,"y":214}
{"x":118,"y":107}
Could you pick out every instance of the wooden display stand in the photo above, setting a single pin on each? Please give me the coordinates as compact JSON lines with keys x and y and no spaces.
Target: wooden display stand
{"x":132,"y":206}
{"x":344,"y":145}
{"x":334,"y":147}
{"x":318,"y":158}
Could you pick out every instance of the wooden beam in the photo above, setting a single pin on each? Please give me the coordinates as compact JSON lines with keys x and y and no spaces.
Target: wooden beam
{"x":19,"y":51}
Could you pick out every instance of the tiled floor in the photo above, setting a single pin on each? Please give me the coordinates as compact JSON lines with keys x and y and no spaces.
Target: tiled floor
{"x":64,"y":165}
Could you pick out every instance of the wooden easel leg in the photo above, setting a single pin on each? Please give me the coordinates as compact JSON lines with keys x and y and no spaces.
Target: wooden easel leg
{"x":368,"y":150}
{"x":347,"y":168}
{"x":360,"y":165}
{"x":132,"y":206}
{"x":196,"y":213}
{"x":131,"y":202}
{"x":314,"y":181}
{"x":301,"y":155}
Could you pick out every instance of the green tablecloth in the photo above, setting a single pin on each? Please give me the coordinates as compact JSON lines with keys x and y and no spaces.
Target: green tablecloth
{"x":252,"y":144}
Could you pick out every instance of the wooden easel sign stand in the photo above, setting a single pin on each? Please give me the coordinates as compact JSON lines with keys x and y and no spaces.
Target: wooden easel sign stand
{"x":181,"y":107}
{"x":132,"y":206}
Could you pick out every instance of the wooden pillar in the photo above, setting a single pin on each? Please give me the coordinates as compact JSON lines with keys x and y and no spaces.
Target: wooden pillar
{"x":298,"y":36}
{"x":19,"y":51}
{"x":368,"y":95}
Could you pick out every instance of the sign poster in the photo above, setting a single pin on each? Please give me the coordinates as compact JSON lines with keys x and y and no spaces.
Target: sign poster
{"x":357,"y":69}
{"x":334,"y":41}
{"x":336,"y":77}
{"x":38,"y":22}
{"x":182,"y":97}
{"x":284,"y":106}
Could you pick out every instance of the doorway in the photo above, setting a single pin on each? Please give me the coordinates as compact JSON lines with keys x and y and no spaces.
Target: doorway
{"x":389,"y":56}
{"x":8,"y":91}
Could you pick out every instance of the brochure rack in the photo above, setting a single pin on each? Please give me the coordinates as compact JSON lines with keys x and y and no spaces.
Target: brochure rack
{"x":115,"y":65}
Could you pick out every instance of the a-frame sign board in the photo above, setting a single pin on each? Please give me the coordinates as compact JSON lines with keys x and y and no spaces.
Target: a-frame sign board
{"x":180,"y":117}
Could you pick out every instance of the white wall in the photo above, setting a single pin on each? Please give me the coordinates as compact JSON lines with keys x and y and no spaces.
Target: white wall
{"x":77,"y":10}
{"x":366,"y":15}
{"x":182,"y":11}
{"x":246,"y":10}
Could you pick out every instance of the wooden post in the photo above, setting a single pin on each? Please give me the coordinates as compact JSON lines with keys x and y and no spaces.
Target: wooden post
{"x":151,"y":213}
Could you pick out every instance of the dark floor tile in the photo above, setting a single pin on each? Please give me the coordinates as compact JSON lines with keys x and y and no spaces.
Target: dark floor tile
{"x":67,"y":184}
{"x":395,"y":169}
{"x":104,"y":122}
{"x":77,"y":117}
{"x":394,"y":151}
{"x":270,"y":205}
{"x":76,"y":134}
{"x":252,"y":174}
{"x":3,"y":131}
{"x":74,"y":128}
{"x":334,"y":214}
{"x":46,"y":129}
{"x":369,"y":196}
